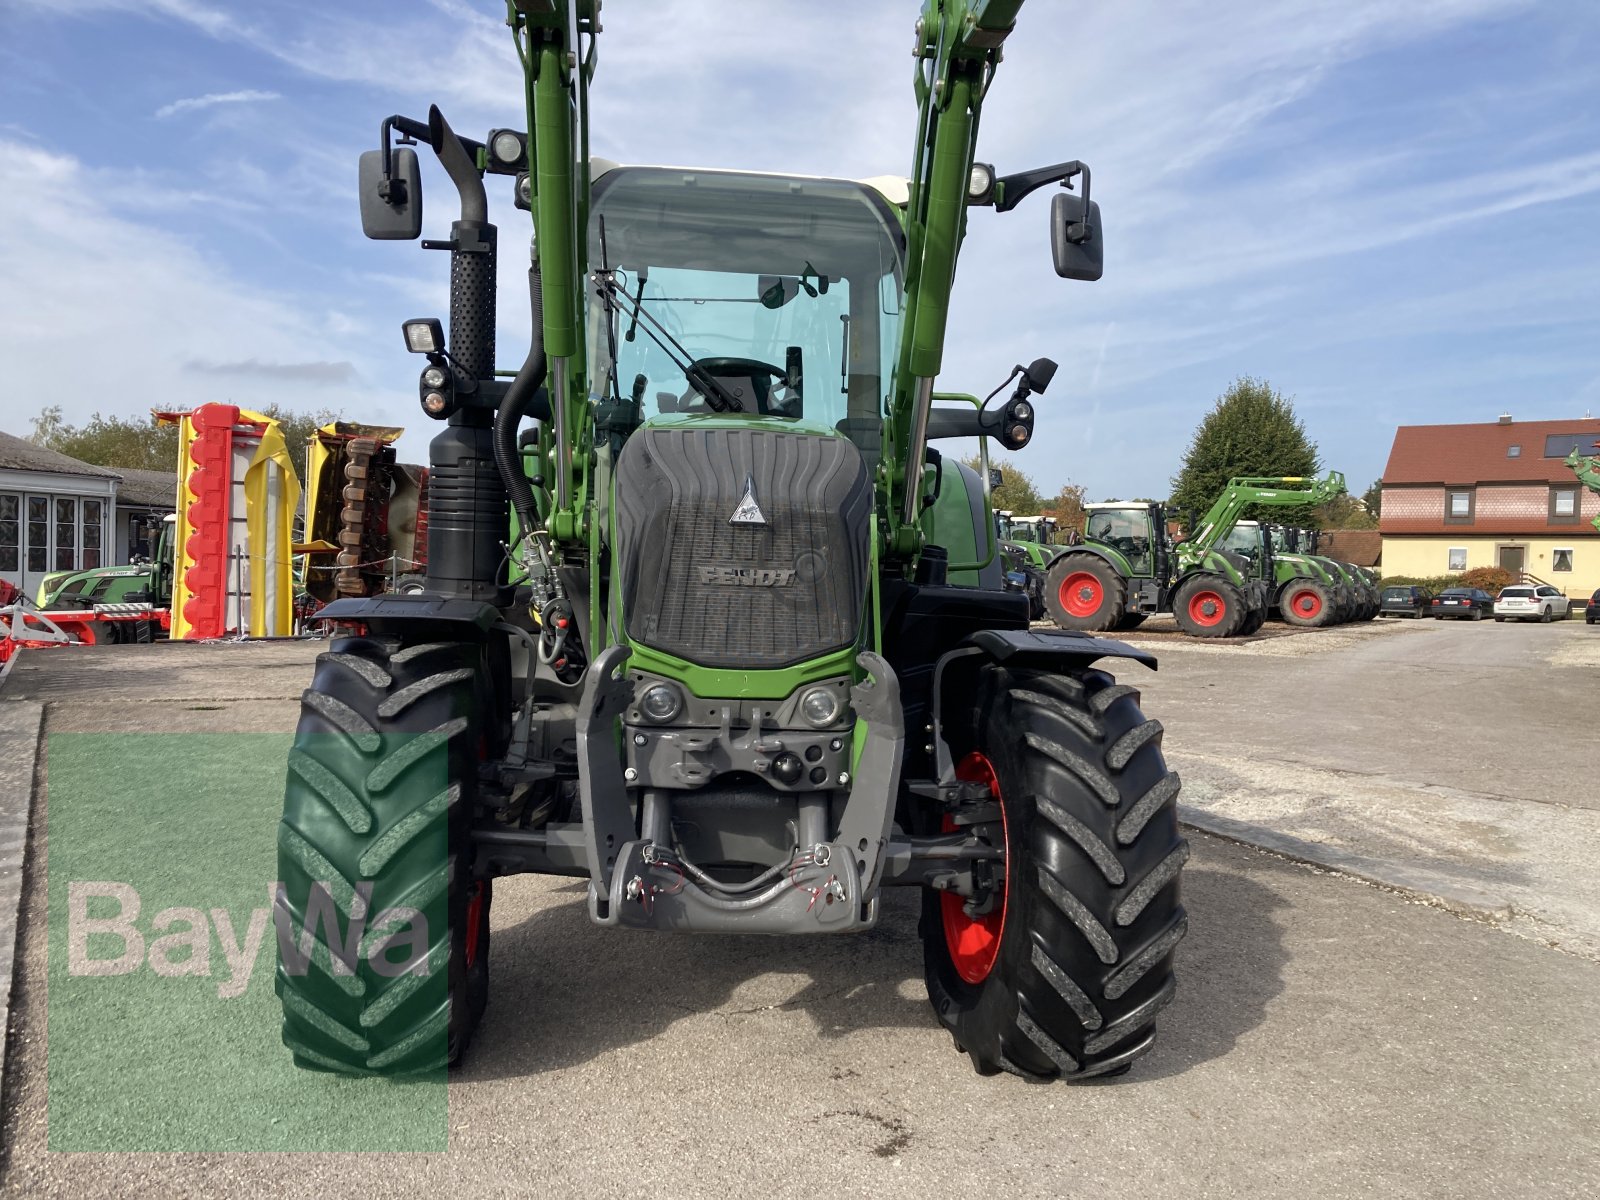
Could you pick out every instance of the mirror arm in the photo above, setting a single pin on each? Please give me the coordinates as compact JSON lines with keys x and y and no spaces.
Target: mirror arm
{"x":1011,"y":189}
{"x":411,"y":131}
{"x":964,"y":422}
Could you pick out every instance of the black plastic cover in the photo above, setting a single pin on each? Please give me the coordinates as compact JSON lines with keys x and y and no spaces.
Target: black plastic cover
{"x":719,"y":592}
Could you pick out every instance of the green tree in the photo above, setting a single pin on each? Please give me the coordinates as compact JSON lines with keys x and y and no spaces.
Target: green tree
{"x":1345,"y":512}
{"x":1373,"y":499}
{"x":1067,"y":507}
{"x":1251,"y":430}
{"x":1017,"y":492}
{"x":141,"y":443}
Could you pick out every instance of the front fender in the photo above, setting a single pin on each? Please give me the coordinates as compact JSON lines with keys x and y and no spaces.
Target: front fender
{"x":1052,"y":650}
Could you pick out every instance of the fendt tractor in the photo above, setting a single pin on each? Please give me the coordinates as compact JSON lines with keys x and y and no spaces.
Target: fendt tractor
{"x":1033,"y":536}
{"x":707,"y":621}
{"x":1215,"y":584}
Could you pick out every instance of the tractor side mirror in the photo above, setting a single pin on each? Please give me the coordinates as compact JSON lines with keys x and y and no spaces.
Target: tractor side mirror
{"x":1076,"y":243}
{"x":996,"y":477}
{"x":391,"y":208}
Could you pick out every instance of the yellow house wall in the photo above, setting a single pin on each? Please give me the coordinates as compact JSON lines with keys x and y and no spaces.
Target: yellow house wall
{"x":1425,"y":556}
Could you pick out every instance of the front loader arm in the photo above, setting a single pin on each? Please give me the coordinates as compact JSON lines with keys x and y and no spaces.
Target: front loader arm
{"x":556,"y":43}
{"x":957,"y":49}
{"x":1244,"y":491}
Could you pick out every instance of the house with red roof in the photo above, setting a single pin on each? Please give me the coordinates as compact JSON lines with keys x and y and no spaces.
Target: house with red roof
{"x":1497,"y":494}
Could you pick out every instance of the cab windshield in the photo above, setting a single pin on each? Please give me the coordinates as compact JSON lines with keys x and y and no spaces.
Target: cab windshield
{"x":1245,"y":540}
{"x":786,"y":290}
{"x":1127,"y":530}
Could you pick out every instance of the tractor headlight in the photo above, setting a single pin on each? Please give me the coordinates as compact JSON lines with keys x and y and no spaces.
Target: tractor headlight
{"x":508,"y":148}
{"x":820,"y":707}
{"x":980,"y":184}
{"x":424,"y":335}
{"x":661,"y":702}
{"x":433,"y":377}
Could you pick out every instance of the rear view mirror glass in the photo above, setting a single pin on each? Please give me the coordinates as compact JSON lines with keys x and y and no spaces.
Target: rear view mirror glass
{"x":1075,"y":237}
{"x":391,"y":210}
{"x":774,"y":291}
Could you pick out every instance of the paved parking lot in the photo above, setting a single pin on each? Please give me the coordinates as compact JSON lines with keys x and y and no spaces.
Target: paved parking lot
{"x":1329,"y":1038}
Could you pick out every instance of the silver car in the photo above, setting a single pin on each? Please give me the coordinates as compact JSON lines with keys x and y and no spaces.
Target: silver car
{"x":1531,"y":602}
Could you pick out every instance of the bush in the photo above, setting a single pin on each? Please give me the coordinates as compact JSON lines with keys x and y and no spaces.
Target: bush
{"x":1490,"y":579}
{"x":1434,"y":583}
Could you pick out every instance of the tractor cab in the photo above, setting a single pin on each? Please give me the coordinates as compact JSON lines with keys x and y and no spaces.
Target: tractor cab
{"x":744,"y":296}
{"x":1252,"y":543}
{"x":1136,"y":531}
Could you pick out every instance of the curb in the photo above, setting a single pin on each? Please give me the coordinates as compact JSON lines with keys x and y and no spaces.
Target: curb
{"x":21,"y":728}
{"x":1461,"y":899}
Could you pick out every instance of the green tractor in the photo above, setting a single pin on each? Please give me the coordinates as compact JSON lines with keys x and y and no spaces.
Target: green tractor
{"x":707,"y":622}
{"x":1306,"y":590}
{"x":1358,"y":586}
{"x":1218,"y":582}
{"x":1033,"y":536}
{"x":1127,"y":568}
{"x":143,"y":582}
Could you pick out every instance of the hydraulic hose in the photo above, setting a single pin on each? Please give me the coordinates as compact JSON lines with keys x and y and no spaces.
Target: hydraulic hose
{"x":521,"y":400}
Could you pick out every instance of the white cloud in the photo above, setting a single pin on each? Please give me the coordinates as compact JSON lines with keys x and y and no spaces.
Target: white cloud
{"x":120,"y":316}
{"x":195,"y":103}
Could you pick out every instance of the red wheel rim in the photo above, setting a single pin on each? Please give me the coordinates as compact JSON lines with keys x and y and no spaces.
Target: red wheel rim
{"x":474,"y":922}
{"x":1306,"y":604}
{"x":1081,"y":594}
{"x":1207,"y":608}
{"x":974,"y":942}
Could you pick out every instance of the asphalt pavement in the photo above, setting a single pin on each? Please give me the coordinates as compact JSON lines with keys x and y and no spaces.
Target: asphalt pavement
{"x":1329,"y":1037}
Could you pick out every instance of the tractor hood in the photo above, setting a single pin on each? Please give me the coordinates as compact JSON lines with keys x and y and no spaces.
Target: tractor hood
{"x":742,"y":541}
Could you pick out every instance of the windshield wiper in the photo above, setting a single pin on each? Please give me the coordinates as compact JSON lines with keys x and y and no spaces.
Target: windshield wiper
{"x":718,"y":396}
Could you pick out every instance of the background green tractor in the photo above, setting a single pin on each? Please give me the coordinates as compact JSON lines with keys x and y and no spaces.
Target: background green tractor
{"x":1306,"y":590}
{"x":1220,"y":581}
{"x":147,"y":582}
{"x":1126,"y":568}
{"x":744,"y":658}
{"x":1033,"y":536}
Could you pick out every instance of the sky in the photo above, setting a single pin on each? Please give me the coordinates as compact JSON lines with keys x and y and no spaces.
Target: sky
{"x":1388,"y":211}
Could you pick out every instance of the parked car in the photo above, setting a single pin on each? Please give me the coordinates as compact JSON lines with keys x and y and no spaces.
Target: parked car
{"x":1473,"y":604}
{"x":1403,"y":601}
{"x":1531,"y":602}
{"x":1591,"y":615}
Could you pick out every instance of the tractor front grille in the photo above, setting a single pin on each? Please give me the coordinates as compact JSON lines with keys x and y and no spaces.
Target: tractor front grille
{"x":746,"y":593}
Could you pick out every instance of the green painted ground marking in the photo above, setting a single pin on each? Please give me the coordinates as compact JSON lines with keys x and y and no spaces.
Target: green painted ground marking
{"x":141,"y":1061}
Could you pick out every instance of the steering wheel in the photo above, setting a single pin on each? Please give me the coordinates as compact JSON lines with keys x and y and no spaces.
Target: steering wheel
{"x":761,"y":375}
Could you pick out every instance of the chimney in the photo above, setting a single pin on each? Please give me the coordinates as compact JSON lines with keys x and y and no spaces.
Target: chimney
{"x":1505,"y":418}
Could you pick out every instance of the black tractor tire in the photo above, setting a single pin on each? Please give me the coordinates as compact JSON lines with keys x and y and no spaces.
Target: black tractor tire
{"x":1084,"y":591}
{"x":1306,"y":603}
{"x":1208,"y":606}
{"x":1129,"y":621}
{"x":1090,"y":912}
{"x":381,"y":785}
{"x":1253,"y":621}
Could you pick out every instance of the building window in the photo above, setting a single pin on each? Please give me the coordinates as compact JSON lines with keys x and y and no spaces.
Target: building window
{"x":1563,"y":506}
{"x":38,"y":530}
{"x":1458,"y":505}
{"x":93,"y":532}
{"x":1458,"y":558}
{"x":66,"y":534}
{"x":1513,"y":451}
{"x":1560,"y":559}
{"x":10,"y":533}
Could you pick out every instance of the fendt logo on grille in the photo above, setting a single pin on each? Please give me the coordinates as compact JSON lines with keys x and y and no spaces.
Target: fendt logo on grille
{"x":748,"y":576}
